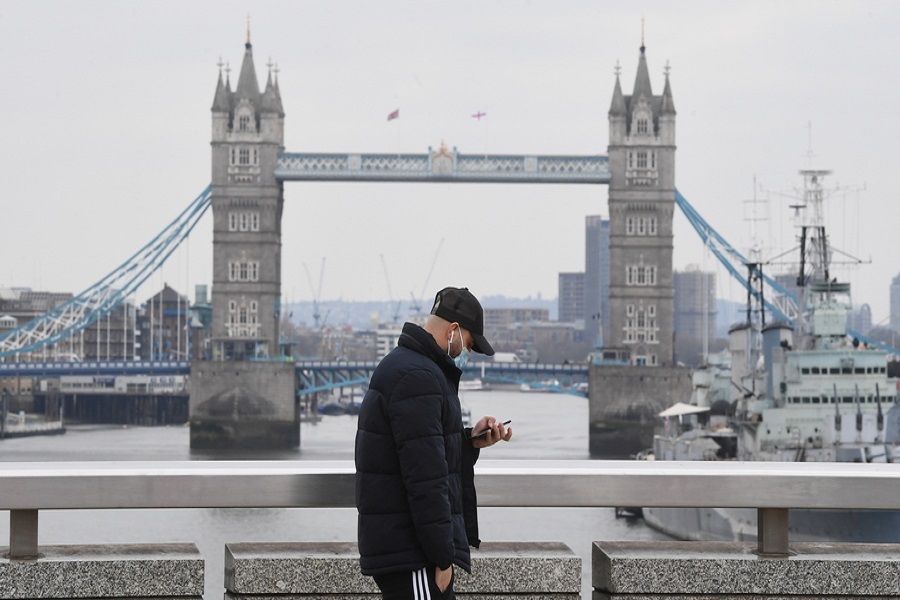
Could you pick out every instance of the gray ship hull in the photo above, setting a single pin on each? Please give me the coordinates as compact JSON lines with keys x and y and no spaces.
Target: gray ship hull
{"x":732,"y":524}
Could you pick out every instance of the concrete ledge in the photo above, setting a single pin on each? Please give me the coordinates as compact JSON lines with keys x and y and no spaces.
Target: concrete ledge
{"x":120,"y":571}
{"x":650,"y":570}
{"x":312,"y":571}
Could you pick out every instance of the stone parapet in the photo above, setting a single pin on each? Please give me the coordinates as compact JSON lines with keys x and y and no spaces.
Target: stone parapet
{"x":716,"y":570}
{"x":320,"y":571}
{"x":124,"y":571}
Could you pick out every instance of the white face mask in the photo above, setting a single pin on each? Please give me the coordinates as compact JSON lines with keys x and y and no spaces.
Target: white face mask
{"x":462,"y":358}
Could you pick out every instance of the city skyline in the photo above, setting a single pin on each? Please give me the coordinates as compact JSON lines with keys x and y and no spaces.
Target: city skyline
{"x":111,"y":134}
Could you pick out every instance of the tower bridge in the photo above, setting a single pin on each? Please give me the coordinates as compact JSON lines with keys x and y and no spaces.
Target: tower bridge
{"x":250,"y":167}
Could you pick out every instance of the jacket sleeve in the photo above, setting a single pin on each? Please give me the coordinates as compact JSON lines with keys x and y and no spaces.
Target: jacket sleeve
{"x":469,"y":497}
{"x":415,"y":412}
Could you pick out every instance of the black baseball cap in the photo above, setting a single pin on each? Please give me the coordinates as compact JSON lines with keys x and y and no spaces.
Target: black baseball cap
{"x":459,"y":305}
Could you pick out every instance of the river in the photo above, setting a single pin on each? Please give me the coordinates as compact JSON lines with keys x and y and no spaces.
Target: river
{"x":545,"y":426}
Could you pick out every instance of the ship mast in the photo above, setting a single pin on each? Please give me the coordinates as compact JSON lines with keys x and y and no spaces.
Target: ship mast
{"x":815,"y":255}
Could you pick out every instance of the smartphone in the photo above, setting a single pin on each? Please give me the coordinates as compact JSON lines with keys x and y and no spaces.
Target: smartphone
{"x":481,"y":433}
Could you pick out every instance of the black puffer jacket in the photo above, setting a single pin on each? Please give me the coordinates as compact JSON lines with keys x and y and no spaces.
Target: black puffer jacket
{"x":414,"y":462}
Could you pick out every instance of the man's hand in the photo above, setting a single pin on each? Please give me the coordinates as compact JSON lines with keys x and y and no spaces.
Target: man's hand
{"x":442,"y":577}
{"x":495,"y":429}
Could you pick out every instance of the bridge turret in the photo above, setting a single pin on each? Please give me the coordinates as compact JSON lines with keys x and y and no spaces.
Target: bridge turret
{"x":221,"y":108}
{"x":617,"y":114}
{"x":667,"y":115}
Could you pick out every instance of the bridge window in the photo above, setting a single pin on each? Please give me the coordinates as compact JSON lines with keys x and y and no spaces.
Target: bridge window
{"x":244,"y":156}
{"x":629,"y":226}
{"x":642,"y":275}
{"x":642,"y":160}
{"x":243,"y":221}
{"x":642,"y":126}
{"x":640,"y":326}
{"x":244,"y":123}
{"x":243,"y":271}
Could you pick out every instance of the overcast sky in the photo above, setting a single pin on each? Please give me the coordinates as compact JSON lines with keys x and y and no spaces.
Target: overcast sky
{"x":106,"y":129}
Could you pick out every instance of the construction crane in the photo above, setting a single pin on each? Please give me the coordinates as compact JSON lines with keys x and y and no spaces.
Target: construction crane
{"x":317,"y":295}
{"x":395,"y":307}
{"x":417,"y":305}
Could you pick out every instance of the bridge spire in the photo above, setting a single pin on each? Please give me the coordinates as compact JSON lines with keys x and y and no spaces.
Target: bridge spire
{"x":617,"y":108}
{"x":248,"y":85}
{"x":642,"y":79}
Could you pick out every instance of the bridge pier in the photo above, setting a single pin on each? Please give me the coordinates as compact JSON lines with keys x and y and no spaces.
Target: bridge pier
{"x":244,"y":405}
{"x":624,"y":403}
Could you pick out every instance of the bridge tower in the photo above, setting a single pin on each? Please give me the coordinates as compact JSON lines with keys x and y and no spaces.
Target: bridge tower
{"x":247,"y":202}
{"x":236,"y":402}
{"x":641,"y":206}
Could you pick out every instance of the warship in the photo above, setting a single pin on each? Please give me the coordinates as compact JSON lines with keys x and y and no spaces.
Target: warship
{"x":806,"y":389}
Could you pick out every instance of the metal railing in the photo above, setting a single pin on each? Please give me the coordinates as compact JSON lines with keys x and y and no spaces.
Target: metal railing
{"x":771,"y":488}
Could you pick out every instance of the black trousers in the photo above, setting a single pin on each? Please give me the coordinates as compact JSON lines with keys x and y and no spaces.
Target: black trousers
{"x":413,"y":585}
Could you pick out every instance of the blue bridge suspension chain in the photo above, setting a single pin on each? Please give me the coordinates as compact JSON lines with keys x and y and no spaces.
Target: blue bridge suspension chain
{"x":104,"y":296}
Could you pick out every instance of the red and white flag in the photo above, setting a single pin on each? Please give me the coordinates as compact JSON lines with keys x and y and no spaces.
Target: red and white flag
{"x":394,"y":115}
{"x":478,"y":115}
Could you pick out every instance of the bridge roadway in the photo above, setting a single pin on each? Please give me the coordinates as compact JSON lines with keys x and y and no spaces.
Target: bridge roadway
{"x":315,"y":375}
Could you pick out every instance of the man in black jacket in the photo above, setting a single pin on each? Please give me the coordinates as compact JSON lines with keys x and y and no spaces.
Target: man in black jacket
{"x":415,"y":490}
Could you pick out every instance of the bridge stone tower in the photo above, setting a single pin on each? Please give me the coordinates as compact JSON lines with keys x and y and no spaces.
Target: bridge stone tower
{"x":641,"y":205}
{"x":237,"y":402}
{"x":247,"y":203}
{"x":624,"y":400}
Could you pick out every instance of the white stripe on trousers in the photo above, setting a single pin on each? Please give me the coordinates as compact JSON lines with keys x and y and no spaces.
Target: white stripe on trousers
{"x":421,"y":591}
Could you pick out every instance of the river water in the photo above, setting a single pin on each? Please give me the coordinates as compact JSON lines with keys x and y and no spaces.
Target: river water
{"x":545,"y":426}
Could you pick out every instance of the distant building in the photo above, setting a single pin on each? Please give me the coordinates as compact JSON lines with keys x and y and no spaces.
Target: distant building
{"x":695,"y":312}
{"x":500,"y":318}
{"x":540,"y":341}
{"x":895,"y":304}
{"x":596,"y":279}
{"x":163,"y":324}
{"x":860,"y":319}
{"x":571,"y":298}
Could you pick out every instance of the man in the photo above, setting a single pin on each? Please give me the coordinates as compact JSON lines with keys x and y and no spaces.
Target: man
{"x":415,"y":490}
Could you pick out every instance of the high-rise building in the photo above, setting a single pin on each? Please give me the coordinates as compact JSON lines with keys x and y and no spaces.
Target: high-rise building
{"x":860,"y":319}
{"x":641,"y":205}
{"x":571,"y":298}
{"x":247,"y":202}
{"x":895,"y":304}
{"x":596,"y":279}
{"x":695,"y":312}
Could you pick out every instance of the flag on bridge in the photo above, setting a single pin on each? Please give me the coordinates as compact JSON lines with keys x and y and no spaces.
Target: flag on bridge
{"x":394,"y":115}
{"x":478,"y":115}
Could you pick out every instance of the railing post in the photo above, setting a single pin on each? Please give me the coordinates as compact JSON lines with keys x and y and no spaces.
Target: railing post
{"x":772,"y":534}
{"x":23,"y":533}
